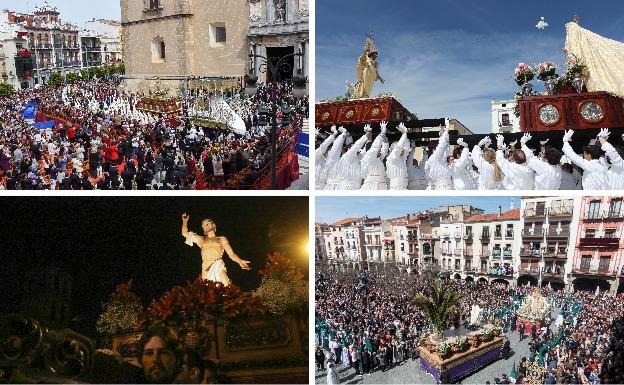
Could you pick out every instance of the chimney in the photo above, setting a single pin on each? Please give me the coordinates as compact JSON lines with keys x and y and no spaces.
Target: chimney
{"x":500,"y":210}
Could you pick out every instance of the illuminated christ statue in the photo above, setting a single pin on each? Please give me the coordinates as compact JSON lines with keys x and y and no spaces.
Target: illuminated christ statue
{"x":212,"y":248}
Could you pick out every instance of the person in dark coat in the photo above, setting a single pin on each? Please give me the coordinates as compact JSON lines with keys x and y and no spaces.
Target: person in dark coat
{"x":533,"y":331}
{"x":366,"y":361}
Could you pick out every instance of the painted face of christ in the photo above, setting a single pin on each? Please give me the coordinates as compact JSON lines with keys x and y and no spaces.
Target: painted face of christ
{"x":208,"y":225}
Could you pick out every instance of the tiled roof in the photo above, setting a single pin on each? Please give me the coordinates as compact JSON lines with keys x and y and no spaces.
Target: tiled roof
{"x":346,"y":221}
{"x":506,"y":216}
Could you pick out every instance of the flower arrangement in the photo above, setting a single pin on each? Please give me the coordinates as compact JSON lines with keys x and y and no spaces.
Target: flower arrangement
{"x":120,"y":313}
{"x":487,"y":334}
{"x":199,"y":301}
{"x":545,"y":70}
{"x":523,"y":74}
{"x":388,"y":94}
{"x":575,"y":67}
{"x":190,"y":309}
{"x":460,"y":343}
{"x":283,"y":286}
{"x":443,"y":349}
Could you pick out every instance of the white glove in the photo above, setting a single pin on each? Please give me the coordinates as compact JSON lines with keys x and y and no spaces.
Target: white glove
{"x":343,"y":130}
{"x":525,"y":138}
{"x":401,"y":127}
{"x":513,"y":144}
{"x":500,"y":140}
{"x":485,"y":142}
{"x":604,"y":133}
{"x":461,"y":142}
{"x":333,"y":129}
{"x":368,"y":128}
{"x":568,"y":135}
{"x":383,"y":127}
{"x":543,"y":142}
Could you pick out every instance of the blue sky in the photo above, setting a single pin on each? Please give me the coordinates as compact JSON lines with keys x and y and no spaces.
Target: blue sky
{"x":449,"y":58}
{"x":332,"y":209}
{"x":76,"y":12}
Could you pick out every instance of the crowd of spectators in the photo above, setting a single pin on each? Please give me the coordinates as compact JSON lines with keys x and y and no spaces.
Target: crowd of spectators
{"x":102,"y":141}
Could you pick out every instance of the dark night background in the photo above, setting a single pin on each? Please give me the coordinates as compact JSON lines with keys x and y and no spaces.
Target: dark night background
{"x":103,"y":241}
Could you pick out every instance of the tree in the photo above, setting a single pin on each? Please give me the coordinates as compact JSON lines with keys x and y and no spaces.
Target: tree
{"x":73,"y":77}
{"x":439,"y":306}
{"x":6,"y":89}
{"x":56,"y":79}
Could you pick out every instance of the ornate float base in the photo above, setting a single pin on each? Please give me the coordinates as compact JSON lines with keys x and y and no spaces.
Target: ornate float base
{"x":585,"y":110}
{"x":360,"y":111}
{"x":528,"y":324}
{"x":257,"y":350}
{"x":460,"y":365}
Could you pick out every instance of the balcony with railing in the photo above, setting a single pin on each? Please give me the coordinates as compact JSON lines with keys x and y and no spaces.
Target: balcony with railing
{"x":507,"y":253}
{"x":599,"y":243}
{"x":485,"y":237}
{"x":91,"y":49}
{"x":535,"y":212}
{"x":563,"y":232}
{"x":566,"y":211}
{"x":501,"y":272}
{"x":595,"y":271}
{"x":612,"y":213}
{"x":496,"y":253}
{"x":498,"y":234}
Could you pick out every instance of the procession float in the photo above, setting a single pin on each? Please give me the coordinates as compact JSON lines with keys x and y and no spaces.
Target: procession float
{"x":452,"y":354}
{"x":454,"y":358}
{"x":533,"y":311}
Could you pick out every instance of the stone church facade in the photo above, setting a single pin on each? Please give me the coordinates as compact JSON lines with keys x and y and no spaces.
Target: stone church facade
{"x":167,"y":41}
{"x":278,"y":28}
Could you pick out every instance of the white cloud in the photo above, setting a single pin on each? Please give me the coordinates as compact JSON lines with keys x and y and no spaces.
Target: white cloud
{"x":439,"y":74}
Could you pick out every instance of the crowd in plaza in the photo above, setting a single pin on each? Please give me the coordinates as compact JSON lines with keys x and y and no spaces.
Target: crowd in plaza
{"x":368,"y":321}
{"x":100,"y":140}
{"x":375,"y":164}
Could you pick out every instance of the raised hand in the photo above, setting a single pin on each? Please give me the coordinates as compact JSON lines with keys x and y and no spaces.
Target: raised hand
{"x":543,"y":142}
{"x":525,"y":138}
{"x":500,"y":140}
{"x":368,"y":128}
{"x":383,"y":125}
{"x":333,"y":129}
{"x":185,"y":217}
{"x":513,"y":144}
{"x":342,"y":130}
{"x":401,"y":127}
{"x":485,"y":142}
{"x":604,"y":133}
{"x":461,"y":142}
{"x":244,"y":265}
{"x":568,"y":135}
